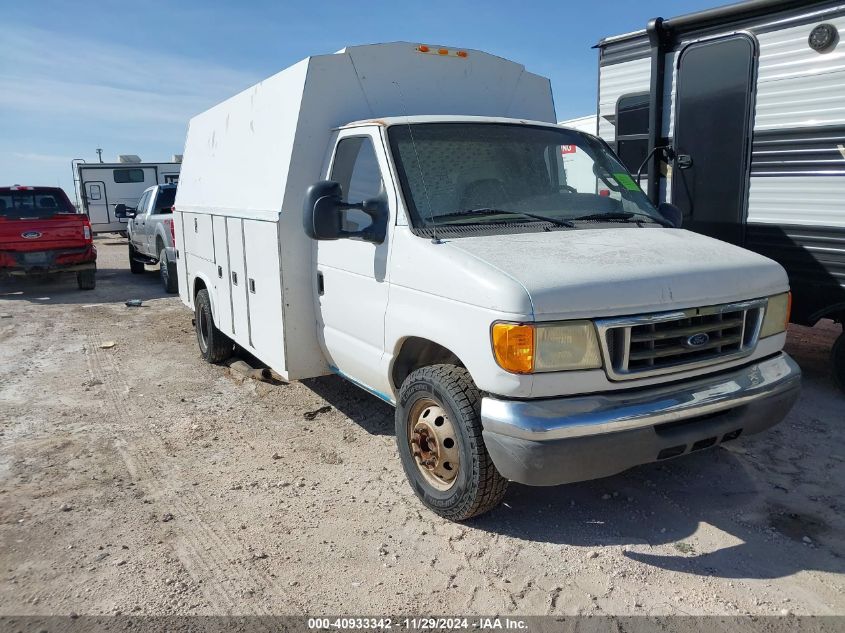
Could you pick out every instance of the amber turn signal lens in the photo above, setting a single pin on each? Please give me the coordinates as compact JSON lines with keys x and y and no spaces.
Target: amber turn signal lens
{"x":513,"y":346}
{"x":422,"y":48}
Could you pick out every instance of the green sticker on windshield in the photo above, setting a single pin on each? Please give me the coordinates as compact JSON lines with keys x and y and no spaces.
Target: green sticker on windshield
{"x":626,"y":181}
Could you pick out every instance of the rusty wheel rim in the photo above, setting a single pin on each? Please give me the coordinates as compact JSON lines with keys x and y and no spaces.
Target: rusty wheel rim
{"x":434,"y":444}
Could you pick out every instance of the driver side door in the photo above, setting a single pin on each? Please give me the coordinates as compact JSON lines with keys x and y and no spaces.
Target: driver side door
{"x":139,"y":224}
{"x":352,"y":275}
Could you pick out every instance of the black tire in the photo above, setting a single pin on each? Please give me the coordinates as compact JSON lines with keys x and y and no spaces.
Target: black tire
{"x":837,"y":358}
{"x":135,"y":266}
{"x":215,"y":347}
{"x":86,"y":279}
{"x":478,"y":486}
{"x":167,"y":273}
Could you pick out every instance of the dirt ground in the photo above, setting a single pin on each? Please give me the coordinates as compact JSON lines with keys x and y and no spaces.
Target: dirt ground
{"x":140,"y":480}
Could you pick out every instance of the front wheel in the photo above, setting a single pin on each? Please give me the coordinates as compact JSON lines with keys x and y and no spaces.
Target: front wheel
{"x":135,"y":266}
{"x":215,"y":346}
{"x":837,"y":358}
{"x":438,"y":432}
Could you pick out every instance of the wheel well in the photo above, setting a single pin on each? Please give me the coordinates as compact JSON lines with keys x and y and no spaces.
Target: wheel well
{"x":199,"y":284}
{"x":159,"y":244}
{"x":419,"y":352}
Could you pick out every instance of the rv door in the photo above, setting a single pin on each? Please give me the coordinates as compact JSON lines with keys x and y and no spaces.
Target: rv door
{"x":96,"y":202}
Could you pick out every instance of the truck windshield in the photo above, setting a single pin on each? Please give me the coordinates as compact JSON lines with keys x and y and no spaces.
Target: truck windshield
{"x":494,"y":173}
{"x":33,"y":203}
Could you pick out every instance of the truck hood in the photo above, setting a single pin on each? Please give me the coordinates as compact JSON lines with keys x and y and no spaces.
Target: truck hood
{"x":625,"y":270}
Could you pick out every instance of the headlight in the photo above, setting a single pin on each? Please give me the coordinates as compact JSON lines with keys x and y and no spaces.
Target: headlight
{"x":777,"y":315}
{"x":525,"y":349}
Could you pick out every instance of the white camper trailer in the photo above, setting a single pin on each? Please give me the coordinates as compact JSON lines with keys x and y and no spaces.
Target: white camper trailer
{"x":737,"y":116}
{"x":100,"y":187}
{"x":401,"y":215}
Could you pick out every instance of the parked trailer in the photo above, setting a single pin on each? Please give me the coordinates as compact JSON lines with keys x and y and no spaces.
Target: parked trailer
{"x":525,"y":326}
{"x":737,"y":116}
{"x":100,"y":187}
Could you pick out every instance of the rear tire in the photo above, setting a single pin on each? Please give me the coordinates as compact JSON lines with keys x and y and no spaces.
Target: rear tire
{"x":215,"y":347}
{"x":449,"y":392}
{"x":168,"y":277}
{"x":837,"y":358}
{"x":86,"y":279}
{"x":135,"y":266}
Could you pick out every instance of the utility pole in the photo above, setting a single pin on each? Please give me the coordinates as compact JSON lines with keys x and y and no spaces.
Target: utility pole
{"x":100,"y":153}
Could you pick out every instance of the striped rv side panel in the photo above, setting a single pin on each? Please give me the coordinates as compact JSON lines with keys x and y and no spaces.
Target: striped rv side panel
{"x":814,"y":258}
{"x":805,"y":151}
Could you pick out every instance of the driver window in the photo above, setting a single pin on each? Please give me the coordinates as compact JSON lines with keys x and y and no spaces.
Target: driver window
{"x":356,"y":169}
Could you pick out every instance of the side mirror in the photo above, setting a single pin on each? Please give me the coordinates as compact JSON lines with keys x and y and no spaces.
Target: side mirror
{"x":322,"y":214}
{"x":122,"y":211}
{"x":672,"y":214}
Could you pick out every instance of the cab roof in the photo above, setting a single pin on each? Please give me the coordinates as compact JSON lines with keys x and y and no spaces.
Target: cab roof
{"x":442,"y":118}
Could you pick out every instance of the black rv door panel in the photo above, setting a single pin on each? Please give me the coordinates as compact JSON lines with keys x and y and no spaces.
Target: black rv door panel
{"x":712,"y":141}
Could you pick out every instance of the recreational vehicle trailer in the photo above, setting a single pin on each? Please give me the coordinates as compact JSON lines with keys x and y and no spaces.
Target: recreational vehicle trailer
{"x":401,"y":215}
{"x":99,"y":187}
{"x":736,"y":115}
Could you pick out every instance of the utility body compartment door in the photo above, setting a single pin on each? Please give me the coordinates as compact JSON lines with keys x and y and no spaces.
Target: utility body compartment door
{"x":264,"y":291}
{"x":237,"y":277}
{"x":198,"y":235}
{"x":222,"y":278}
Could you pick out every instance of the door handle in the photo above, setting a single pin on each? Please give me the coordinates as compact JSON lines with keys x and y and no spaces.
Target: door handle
{"x":683,"y":161}
{"x":321,"y":287}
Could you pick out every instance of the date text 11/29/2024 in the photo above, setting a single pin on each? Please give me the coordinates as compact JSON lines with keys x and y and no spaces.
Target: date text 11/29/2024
{"x":418,"y":623}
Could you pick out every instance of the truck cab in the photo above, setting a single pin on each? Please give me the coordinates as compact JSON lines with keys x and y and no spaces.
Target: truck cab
{"x":501,"y":280}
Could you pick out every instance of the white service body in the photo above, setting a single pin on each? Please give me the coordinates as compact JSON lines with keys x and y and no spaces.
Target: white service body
{"x":372,"y":312}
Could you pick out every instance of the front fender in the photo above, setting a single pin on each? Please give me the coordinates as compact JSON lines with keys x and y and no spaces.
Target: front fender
{"x":461,"y":328}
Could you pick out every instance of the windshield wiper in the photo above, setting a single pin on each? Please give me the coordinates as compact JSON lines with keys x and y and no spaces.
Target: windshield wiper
{"x":489,"y":211}
{"x":617,"y":216}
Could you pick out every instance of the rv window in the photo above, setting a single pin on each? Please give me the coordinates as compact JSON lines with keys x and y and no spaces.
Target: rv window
{"x":128,"y":175}
{"x":356,"y":169}
{"x":632,"y":114}
{"x":94,"y":192}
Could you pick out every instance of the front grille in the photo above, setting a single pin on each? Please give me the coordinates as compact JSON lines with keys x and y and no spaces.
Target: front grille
{"x":666,"y":342}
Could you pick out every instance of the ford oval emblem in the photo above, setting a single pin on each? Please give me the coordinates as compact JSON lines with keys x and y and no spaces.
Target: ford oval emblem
{"x":30,"y":235}
{"x":697,"y":340}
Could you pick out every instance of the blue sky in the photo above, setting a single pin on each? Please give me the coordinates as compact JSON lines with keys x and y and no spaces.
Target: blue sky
{"x":127,"y":76}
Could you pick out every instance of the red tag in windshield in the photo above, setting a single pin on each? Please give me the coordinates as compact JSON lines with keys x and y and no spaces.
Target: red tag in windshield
{"x":568,"y":149}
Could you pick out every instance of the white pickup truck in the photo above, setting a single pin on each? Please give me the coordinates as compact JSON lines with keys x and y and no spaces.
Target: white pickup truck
{"x":150,"y":230}
{"x":401,"y":215}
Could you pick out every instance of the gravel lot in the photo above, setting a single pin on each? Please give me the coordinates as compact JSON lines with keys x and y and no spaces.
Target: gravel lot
{"x":138,"y":479}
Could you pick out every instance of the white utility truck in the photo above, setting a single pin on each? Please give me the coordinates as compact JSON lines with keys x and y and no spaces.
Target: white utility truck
{"x":401,"y":215}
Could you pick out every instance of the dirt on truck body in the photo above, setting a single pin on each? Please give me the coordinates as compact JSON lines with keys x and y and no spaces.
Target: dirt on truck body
{"x":135,"y":478}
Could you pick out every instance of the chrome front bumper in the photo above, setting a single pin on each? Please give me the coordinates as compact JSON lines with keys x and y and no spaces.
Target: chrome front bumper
{"x":562,"y":440}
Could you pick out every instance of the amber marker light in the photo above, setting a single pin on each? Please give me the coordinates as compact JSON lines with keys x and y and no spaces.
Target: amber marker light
{"x":513,"y":346}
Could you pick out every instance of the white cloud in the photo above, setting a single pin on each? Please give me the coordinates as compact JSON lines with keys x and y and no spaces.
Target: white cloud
{"x":41,"y":158}
{"x":50,"y":73}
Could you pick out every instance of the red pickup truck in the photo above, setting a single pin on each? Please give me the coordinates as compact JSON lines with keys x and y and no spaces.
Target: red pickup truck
{"x":41,"y":232}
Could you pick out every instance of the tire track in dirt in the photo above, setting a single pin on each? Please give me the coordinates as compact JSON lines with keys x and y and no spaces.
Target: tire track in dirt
{"x":206,"y":552}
